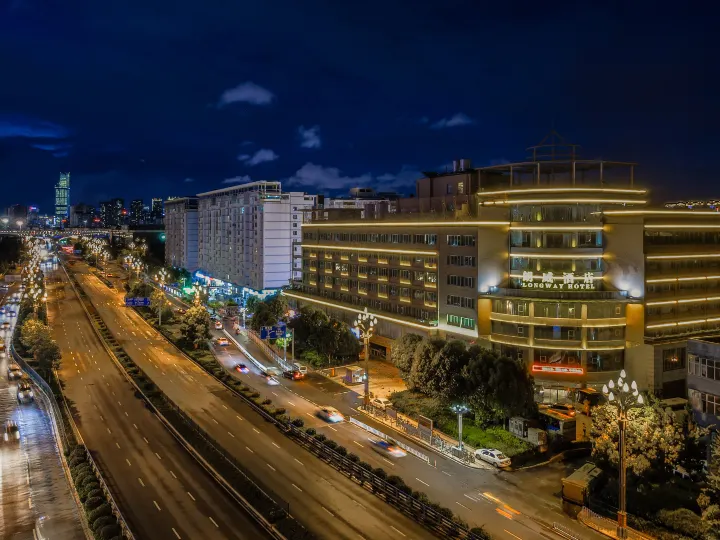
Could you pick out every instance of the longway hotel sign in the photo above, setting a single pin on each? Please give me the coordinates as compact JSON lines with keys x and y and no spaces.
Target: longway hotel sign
{"x":567,"y":281}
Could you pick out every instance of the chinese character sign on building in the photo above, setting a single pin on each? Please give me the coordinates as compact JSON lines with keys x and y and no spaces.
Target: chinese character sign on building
{"x":565,"y":281}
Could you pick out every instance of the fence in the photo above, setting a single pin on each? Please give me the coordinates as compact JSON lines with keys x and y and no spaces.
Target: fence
{"x":607,"y":526}
{"x":408,"y":449}
{"x":267,"y":349}
{"x":411,"y":427}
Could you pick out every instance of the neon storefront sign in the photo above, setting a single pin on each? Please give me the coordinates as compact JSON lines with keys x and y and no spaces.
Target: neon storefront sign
{"x":549,"y":368}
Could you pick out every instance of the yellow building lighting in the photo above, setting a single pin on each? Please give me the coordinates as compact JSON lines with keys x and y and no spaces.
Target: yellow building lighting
{"x":676,"y":226}
{"x":671,"y":280}
{"x":378,"y":248}
{"x":555,"y":228}
{"x":688,"y":256}
{"x":662,"y":325}
{"x":559,"y":278}
{"x":564,"y":190}
{"x":682,"y":323}
{"x":662,"y":212}
{"x":357,"y":310}
{"x":550,"y":256}
{"x":493,"y":339}
{"x":564,"y":201}
{"x":369,"y":223}
{"x":684,"y":301}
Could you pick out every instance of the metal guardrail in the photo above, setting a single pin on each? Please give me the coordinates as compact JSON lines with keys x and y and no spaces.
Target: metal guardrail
{"x":267,"y":349}
{"x":408,"y":449}
{"x":607,"y":526}
{"x":193,"y":425}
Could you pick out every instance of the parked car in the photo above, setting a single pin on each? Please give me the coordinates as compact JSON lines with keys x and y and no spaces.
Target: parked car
{"x":294,"y":375}
{"x":242,"y":368}
{"x":11,"y":313}
{"x":12,"y":431}
{"x":222,"y":342}
{"x":330,"y":414}
{"x":494,"y":457}
{"x":563,"y":408}
{"x":14,"y":371}
{"x":387,"y":448}
{"x":6,"y":325}
{"x":218,"y":325}
{"x":25,"y":392}
{"x":301,"y":368}
{"x":381,"y":403}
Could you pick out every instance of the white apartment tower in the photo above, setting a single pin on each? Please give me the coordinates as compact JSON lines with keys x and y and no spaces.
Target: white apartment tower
{"x":249,"y":235}
{"x":181,"y":233}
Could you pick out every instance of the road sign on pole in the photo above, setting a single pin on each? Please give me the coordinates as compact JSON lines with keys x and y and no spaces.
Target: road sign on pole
{"x":136,"y":301}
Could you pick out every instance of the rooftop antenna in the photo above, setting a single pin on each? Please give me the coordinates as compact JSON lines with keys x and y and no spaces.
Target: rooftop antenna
{"x":553,"y":147}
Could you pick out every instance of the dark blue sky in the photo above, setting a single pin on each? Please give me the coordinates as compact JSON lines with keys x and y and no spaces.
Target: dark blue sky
{"x":142,"y":98}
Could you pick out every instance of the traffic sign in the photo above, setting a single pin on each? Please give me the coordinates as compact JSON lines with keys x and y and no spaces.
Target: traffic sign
{"x":136,"y":301}
{"x":273,"y":332}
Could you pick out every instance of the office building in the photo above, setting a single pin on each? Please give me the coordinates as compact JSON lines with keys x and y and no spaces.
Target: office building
{"x":359,"y":198}
{"x":156,"y":211}
{"x":62,"y":198}
{"x":249,"y":236}
{"x":18,"y":212}
{"x":111,"y":212}
{"x":181,"y":233}
{"x":556,"y":261}
{"x":703,"y":379}
{"x":136,"y":212}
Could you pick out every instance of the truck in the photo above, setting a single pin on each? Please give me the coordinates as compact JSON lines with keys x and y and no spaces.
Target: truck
{"x":577,"y":487}
{"x":529,"y":431}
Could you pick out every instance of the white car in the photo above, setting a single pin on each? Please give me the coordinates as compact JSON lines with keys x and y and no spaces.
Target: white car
{"x":330,"y":414}
{"x":14,"y":371}
{"x":381,"y":403}
{"x":301,"y":368}
{"x":387,"y":447}
{"x":272,"y":381}
{"x":24,"y":393}
{"x":222,"y":342}
{"x":218,"y":325}
{"x":12,"y":432}
{"x":494,"y":457}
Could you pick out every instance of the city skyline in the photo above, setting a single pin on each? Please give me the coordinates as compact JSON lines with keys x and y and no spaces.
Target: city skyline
{"x":365,"y":111}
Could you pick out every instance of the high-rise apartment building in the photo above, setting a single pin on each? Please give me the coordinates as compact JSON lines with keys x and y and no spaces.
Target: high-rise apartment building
{"x":62,"y":198}
{"x":555,"y":261}
{"x":136,"y":212}
{"x":181,"y":233}
{"x":156,"y":211}
{"x":81,"y":215}
{"x":111,"y":212}
{"x":249,"y":235}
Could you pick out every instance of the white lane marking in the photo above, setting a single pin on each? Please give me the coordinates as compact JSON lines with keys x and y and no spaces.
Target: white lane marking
{"x":513,"y":535}
{"x":300,"y":490}
{"x":239,"y":417}
{"x":126,"y":414}
{"x":310,"y":415}
{"x":158,"y":455}
{"x":156,"y":505}
{"x":144,"y":439}
{"x":256,"y":431}
{"x":332,"y":428}
{"x":361,"y":446}
{"x":397,"y":531}
{"x":416,"y":478}
{"x":128,"y":462}
{"x":214,"y":420}
{"x":300,"y":462}
{"x":213,"y":521}
{"x":233,"y":436}
{"x":225,"y":407}
{"x":273,"y":468}
{"x":175,"y":477}
{"x":135,"y":426}
{"x":461,"y":504}
{"x":445,"y":472}
{"x":291,"y":403}
{"x":249,"y":450}
{"x":108,"y":430}
{"x":190,"y":494}
{"x":118,"y":445}
{"x":141,"y":482}
{"x":471,"y":498}
{"x":274,"y":394}
{"x":329,"y":512}
{"x":275,"y":445}
{"x":390,"y":462}
{"x":176,"y":533}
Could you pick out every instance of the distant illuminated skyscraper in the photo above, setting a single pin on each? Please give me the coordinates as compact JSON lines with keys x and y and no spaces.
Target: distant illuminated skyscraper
{"x":136,"y":212}
{"x":156,"y":211}
{"x":62,"y":198}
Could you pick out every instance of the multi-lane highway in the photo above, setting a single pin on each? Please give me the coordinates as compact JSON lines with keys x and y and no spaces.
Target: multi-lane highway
{"x":328,"y":503}
{"x":32,"y":482}
{"x":161,"y":489}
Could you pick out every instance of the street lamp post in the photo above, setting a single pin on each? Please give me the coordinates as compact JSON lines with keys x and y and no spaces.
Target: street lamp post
{"x":161,"y":278}
{"x":198,"y":290}
{"x":460,"y":409}
{"x":365,"y":324}
{"x":624,"y":398}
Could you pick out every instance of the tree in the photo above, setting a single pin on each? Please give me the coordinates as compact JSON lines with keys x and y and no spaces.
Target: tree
{"x":654,"y":438}
{"x":195,"y":326}
{"x":444,"y":379}
{"x":157,"y":300}
{"x":251,"y":304}
{"x":421,"y":372}
{"x":37,"y":339}
{"x":403,"y":353}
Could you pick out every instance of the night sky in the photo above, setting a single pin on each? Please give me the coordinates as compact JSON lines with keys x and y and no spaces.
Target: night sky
{"x":154,"y":98}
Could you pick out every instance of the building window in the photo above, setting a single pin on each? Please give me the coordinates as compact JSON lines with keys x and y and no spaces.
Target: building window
{"x":461,"y":188}
{"x":705,"y":403}
{"x":460,"y":240}
{"x":462,"y":322}
{"x":674,"y":359}
{"x":449,"y":189}
{"x":461,"y":281}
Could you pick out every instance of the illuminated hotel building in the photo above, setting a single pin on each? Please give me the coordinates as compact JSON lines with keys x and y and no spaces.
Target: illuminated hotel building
{"x":555,"y":261}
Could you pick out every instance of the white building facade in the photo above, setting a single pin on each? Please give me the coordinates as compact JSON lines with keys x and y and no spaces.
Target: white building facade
{"x":181,"y":233}
{"x":249,"y":236}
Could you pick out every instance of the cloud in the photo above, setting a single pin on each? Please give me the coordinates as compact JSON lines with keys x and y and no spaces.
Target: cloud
{"x":247,"y":92}
{"x":459,"y":119}
{"x":310,"y":137}
{"x":261,"y":156}
{"x":237,"y":180}
{"x":30,"y":128}
{"x":61,"y":154}
{"x":321,"y":178}
{"x":189,"y":180}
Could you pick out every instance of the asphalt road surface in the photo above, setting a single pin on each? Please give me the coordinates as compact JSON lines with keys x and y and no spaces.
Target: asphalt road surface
{"x":329,"y":504}
{"x":160,"y":488}
{"x":32,"y":481}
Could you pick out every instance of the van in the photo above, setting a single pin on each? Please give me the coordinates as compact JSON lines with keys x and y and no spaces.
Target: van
{"x":301,"y":368}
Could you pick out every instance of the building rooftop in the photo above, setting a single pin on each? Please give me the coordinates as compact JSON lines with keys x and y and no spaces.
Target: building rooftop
{"x":260,"y":185}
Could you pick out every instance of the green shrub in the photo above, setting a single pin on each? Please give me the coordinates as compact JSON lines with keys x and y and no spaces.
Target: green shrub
{"x":279,"y":411}
{"x":108,"y":532}
{"x":80,"y":478}
{"x":266,"y":401}
{"x":320,"y":437}
{"x":365,"y":465}
{"x":84,"y":491}
{"x":480,"y":533}
{"x":102,"y":510}
{"x":341,"y":450}
{"x":310,"y":431}
{"x":77,"y":460}
{"x":682,"y":521}
{"x":298,"y":422}
{"x":352,"y":457}
{"x":395,"y":480}
{"x":420,"y":496}
{"x":100,"y":522}
{"x":82,"y":468}
{"x":380,"y":473}
{"x":96,"y":492}
{"x":93,"y":502}
{"x":330,"y":444}
{"x":255,"y":395}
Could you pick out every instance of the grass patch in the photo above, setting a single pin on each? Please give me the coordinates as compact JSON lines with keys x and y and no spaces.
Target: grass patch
{"x":414,"y":404}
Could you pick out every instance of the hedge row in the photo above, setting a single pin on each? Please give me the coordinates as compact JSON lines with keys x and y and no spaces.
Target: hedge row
{"x":99,"y":514}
